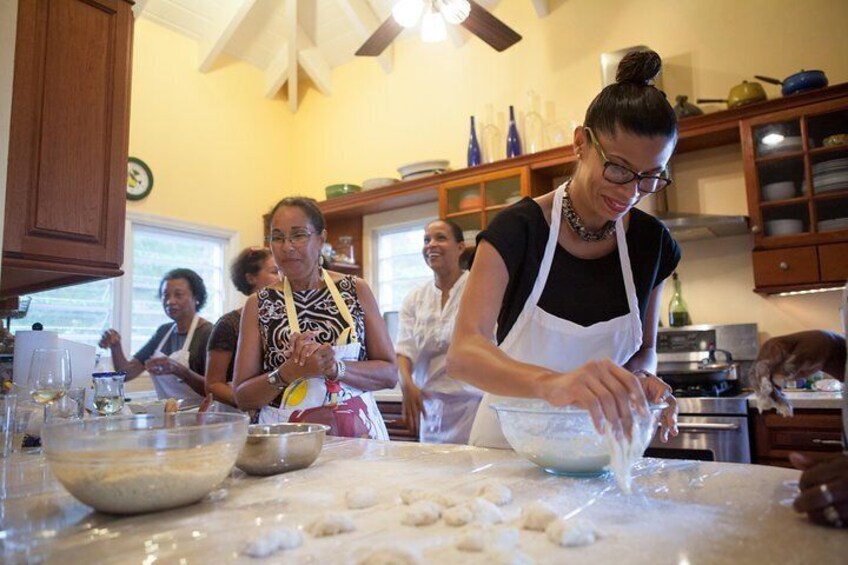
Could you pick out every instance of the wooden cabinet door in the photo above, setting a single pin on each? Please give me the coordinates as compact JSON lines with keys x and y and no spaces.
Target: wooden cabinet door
{"x":834,"y":262}
{"x":783,"y":267}
{"x":69,"y":137}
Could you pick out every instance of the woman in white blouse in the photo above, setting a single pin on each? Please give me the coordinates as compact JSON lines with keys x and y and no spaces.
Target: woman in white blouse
{"x":435,"y":406}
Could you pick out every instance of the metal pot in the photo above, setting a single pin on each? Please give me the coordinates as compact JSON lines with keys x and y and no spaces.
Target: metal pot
{"x":799,"y":82}
{"x":710,"y":364}
{"x":742,"y":94}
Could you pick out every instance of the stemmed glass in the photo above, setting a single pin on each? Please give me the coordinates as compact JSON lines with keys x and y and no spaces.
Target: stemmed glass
{"x":49,"y":376}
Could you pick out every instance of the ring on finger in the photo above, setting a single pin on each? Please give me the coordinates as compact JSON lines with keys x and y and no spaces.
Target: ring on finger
{"x":832,"y":516}
{"x":828,"y":496}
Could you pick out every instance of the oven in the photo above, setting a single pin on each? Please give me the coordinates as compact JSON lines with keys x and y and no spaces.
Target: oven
{"x":713,"y":410}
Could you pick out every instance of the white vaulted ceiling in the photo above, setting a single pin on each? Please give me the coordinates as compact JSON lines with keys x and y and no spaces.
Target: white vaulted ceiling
{"x":311,"y":37}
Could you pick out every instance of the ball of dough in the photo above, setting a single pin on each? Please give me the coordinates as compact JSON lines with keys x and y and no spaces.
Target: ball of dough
{"x":412,"y":495}
{"x":361,"y":497}
{"x":571,"y":533}
{"x":422,"y":513}
{"x":536,"y":516}
{"x":496,"y":493}
{"x":273,"y":541}
{"x":487,"y":538}
{"x":331,"y":525}
{"x":485,"y":512}
{"x":390,"y":556}
{"x":459,"y":515}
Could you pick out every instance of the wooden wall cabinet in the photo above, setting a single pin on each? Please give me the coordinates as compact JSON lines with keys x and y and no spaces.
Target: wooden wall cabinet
{"x":473,"y":202}
{"x":808,"y":431}
{"x":69,"y":136}
{"x":797,"y":185}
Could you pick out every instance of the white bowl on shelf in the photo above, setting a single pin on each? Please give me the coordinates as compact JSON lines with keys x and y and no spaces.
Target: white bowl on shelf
{"x":784,"y":227}
{"x":779,"y":190}
{"x":833,"y":225}
{"x":370,"y":184}
{"x":423,"y":166}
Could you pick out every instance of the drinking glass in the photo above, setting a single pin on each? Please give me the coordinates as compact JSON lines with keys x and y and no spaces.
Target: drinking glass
{"x":49,"y":376}
{"x":70,"y":407}
{"x":7,"y":419}
{"x":109,"y":393}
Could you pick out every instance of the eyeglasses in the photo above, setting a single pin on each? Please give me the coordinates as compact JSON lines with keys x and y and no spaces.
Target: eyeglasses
{"x":619,"y":174}
{"x":296,"y":238}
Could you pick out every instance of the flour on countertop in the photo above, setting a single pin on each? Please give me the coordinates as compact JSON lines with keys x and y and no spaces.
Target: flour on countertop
{"x":486,"y":538}
{"x":361,"y":497}
{"x":390,"y":556}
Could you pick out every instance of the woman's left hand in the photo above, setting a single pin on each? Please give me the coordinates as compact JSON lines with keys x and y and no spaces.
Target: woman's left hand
{"x":657,"y":391}
{"x":824,"y":489}
{"x":163,"y":366}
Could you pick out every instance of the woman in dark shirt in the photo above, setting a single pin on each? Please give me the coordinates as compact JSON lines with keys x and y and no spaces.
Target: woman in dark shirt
{"x":562,"y":302}
{"x":252,"y":270}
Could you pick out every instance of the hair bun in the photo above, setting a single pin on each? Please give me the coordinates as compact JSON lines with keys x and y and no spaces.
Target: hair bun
{"x":639,"y":67}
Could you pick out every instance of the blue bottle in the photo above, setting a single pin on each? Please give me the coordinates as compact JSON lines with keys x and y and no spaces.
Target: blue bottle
{"x":474,"y":155}
{"x":513,"y":142}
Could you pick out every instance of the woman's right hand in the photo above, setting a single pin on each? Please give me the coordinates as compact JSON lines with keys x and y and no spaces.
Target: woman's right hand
{"x":109,"y":339}
{"x":309,"y":358}
{"x":413,"y":407}
{"x":603,"y":388}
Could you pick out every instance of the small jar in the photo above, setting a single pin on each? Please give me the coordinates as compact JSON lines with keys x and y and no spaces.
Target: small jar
{"x":344,"y":250}
{"x":108,"y":392}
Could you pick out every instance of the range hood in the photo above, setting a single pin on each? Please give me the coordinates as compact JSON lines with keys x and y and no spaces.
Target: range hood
{"x":690,"y":227}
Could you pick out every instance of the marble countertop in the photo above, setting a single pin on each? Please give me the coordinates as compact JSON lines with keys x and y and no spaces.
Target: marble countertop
{"x":808,"y":399}
{"x":679,"y":512}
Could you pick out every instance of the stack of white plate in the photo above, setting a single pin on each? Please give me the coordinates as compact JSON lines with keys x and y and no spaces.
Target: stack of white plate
{"x":833,"y":225}
{"x":422,"y":169}
{"x":790,"y":143}
{"x":831,"y":175}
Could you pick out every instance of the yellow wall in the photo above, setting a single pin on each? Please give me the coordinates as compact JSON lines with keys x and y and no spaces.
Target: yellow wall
{"x":220,"y":152}
{"x":209,"y":137}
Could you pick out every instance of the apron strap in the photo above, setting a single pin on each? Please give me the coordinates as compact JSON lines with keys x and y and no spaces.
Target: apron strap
{"x":349,"y":333}
{"x":190,"y":335}
{"x":165,"y":339}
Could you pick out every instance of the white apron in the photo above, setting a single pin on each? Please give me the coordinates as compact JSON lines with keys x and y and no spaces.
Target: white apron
{"x":844,"y":312}
{"x":557,"y":344}
{"x":314,"y":392}
{"x":169,"y":385}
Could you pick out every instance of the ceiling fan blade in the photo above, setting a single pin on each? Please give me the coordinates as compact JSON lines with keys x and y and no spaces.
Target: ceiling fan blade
{"x":380,"y":39}
{"x":489,"y":28}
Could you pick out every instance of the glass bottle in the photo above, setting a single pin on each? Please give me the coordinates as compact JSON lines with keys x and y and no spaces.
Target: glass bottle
{"x":678,"y":312}
{"x":474,"y":155}
{"x":491,"y":137}
{"x":534,"y":126}
{"x":344,"y":250}
{"x":513,"y":141}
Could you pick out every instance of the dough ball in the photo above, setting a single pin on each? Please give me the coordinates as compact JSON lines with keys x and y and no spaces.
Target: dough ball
{"x":422,"y":513}
{"x":361,"y":497}
{"x":485,"y":512}
{"x":390,"y":556}
{"x":496,"y":493}
{"x":536,"y":516}
{"x":412,"y":495}
{"x":571,"y":533}
{"x":443,"y":500}
{"x":459,"y":515}
{"x":515,"y":557}
{"x":273,"y":541}
{"x":331,"y":525}
{"x":487,"y":538}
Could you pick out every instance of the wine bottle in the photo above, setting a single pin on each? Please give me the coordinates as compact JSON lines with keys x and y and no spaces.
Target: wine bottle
{"x":513,"y":142}
{"x":474,"y":155}
{"x":678,"y":313}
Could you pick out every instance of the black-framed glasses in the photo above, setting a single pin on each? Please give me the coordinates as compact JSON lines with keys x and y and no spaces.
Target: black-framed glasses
{"x":619,"y":174}
{"x":296,"y":238}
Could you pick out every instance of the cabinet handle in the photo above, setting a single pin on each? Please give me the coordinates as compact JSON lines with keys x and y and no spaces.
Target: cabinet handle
{"x":755,"y":229}
{"x":818,"y":441}
{"x":784,"y":266}
{"x":707,"y":426}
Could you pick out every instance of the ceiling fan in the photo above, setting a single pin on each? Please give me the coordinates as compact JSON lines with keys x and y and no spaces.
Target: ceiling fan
{"x":433,"y":15}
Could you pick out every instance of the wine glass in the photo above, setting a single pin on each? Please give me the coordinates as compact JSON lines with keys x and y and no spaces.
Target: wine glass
{"x":49,"y":376}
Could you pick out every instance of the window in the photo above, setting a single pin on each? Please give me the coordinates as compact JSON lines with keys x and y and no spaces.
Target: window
{"x":130,"y":303}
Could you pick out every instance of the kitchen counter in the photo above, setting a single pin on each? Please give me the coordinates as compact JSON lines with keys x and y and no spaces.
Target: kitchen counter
{"x":680,"y":512}
{"x":808,"y":400}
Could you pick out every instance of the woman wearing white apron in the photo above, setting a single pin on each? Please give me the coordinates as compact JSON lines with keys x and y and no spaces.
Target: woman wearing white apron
{"x":313,"y":347}
{"x":562,"y":303}
{"x":436,"y":407}
{"x":175,"y":356}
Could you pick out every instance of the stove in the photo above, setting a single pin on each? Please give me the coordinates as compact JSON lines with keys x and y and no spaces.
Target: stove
{"x":702,"y":364}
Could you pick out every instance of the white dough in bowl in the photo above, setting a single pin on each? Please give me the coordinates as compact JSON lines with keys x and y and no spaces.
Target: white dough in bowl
{"x":536,"y":516}
{"x":571,"y":533}
{"x":331,"y":524}
{"x":496,"y":493}
{"x":361,"y":497}
{"x":422,"y":513}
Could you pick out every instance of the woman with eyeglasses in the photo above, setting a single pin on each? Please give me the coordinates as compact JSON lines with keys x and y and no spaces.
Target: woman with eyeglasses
{"x":252,"y":270}
{"x":314,"y":346}
{"x":563,"y":300}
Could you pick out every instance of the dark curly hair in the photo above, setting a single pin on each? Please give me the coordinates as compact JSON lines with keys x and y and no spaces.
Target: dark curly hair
{"x":198,"y":289}
{"x":632,"y":103}
{"x":248,"y":262}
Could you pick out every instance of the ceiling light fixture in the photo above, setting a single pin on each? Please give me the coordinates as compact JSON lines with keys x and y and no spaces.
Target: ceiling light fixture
{"x":407,"y":13}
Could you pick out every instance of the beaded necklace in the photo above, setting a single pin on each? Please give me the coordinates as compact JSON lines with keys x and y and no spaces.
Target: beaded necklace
{"x":576,"y":224}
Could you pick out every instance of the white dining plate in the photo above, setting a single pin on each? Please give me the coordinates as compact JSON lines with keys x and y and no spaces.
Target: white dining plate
{"x":833,"y":225}
{"x":422,"y":174}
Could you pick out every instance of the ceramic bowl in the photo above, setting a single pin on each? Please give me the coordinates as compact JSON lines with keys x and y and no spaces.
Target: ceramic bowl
{"x":422,"y":166}
{"x":276,"y":448}
{"x":370,"y":184}
{"x":335,"y":190}
{"x":135,"y":464}
{"x":784,"y":227}
{"x":563,"y":440}
{"x":779,"y":190}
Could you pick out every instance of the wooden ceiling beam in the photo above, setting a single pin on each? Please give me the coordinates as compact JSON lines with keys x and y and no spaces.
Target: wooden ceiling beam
{"x":542,"y":7}
{"x":277,"y":72}
{"x":220,"y":30}
{"x":293,"y":47}
{"x":365,"y":22}
{"x":316,"y":68}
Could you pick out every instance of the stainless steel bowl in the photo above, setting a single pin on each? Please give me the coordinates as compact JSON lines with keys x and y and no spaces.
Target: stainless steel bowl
{"x":278,"y":448}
